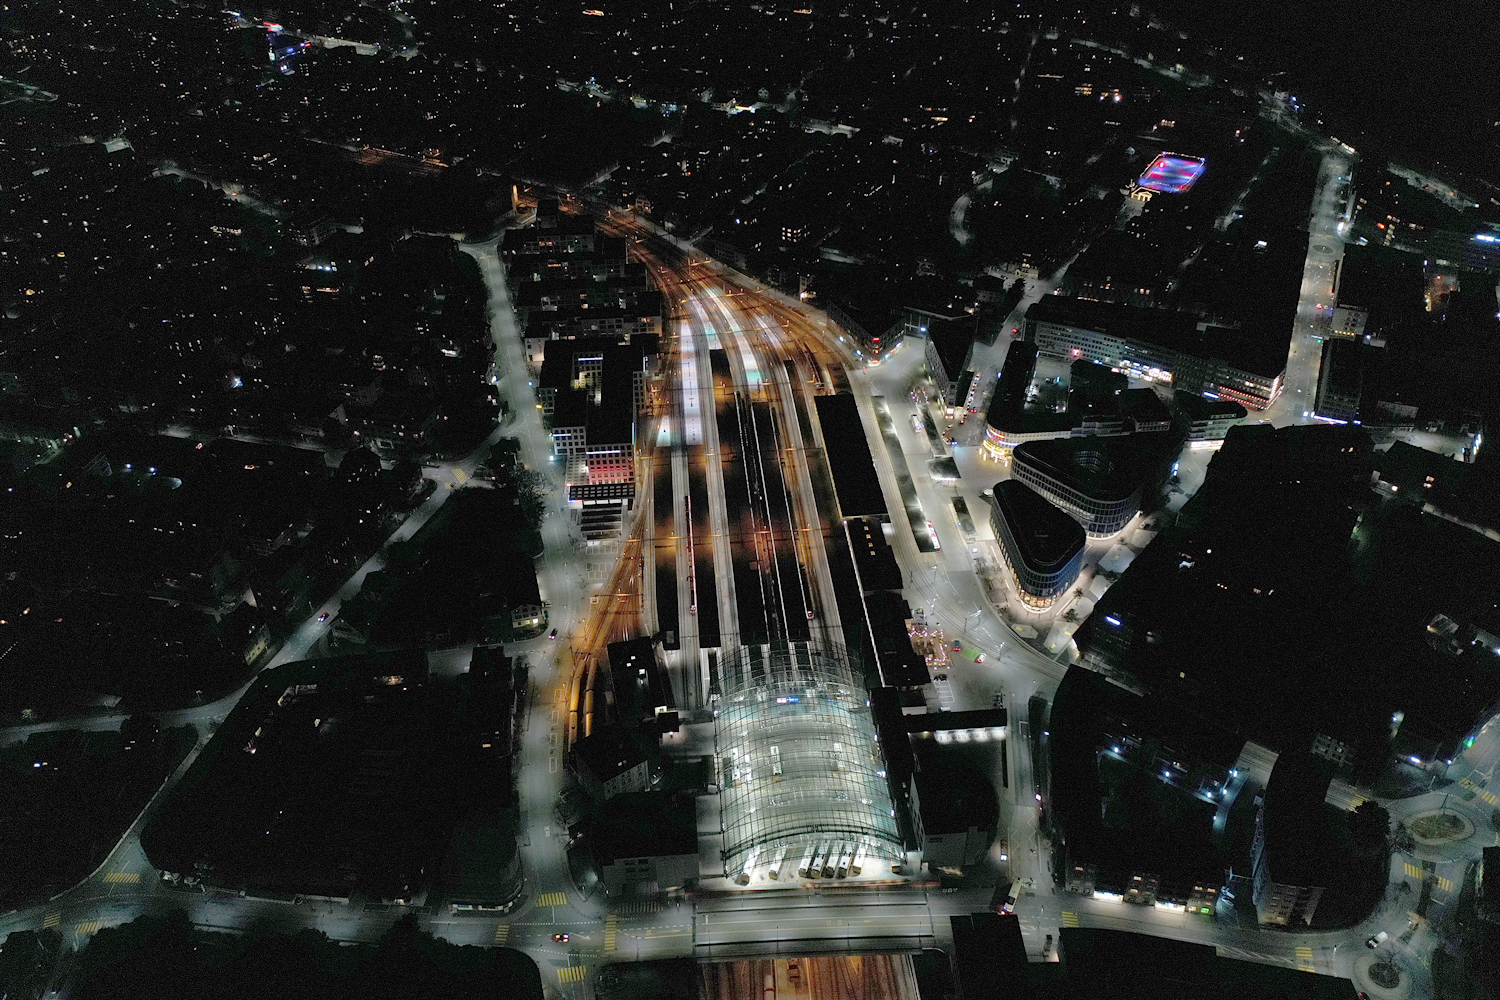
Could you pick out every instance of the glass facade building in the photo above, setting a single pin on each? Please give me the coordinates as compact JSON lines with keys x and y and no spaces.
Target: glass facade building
{"x":1042,"y":546}
{"x":799,"y":766}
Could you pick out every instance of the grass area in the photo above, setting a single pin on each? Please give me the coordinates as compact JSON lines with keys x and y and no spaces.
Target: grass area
{"x":1439,"y":826}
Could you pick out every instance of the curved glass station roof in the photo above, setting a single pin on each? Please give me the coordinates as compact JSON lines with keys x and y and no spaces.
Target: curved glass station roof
{"x":799,"y":764}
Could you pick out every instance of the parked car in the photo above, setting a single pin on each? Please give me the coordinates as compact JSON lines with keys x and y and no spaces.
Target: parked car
{"x":1378,"y":939}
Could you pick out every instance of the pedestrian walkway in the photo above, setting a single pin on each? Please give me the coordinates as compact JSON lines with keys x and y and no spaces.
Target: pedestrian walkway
{"x":1305,"y":959}
{"x":611,"y":927}
{"x":502,"y":932}
{"x":572,"y":974}
{"x":52,"y":920}
{"x":88,"y":926}
{"x":552,"y":899}
{"x":1069,"y":918}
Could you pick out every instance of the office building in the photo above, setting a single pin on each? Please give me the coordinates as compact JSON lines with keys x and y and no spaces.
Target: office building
{"x":1042,"y":546}
{"x":1291,"y":873}
{"x":1099,"y":481}
{"x":1205,"y":419}
{"x":1244,"y":366}
{"x":1342,"y":374}
{"x":645,"y":844}
{"x":950,"y":348}
{"x":1008,"y":401}
{"x":609,"y":762}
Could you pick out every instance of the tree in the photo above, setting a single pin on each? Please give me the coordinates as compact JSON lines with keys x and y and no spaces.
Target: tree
{"x":1370,"y":827}
{"x":142,"y":729}
{"x":406,"y":476}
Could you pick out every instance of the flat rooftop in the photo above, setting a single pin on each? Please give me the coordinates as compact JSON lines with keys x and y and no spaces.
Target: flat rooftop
{"x":1252,"y":349}
{"x":1172,"y":173}
{"x":1047,"y":537}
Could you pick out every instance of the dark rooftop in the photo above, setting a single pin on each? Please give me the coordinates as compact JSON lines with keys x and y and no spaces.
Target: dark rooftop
{"x":1009,"y":398}
{"x":644,"y":824}
{"x":1261,"y":352}
{"x":848,"y":453}
{"x":872,"y":555}
{"x":1105,"y":468}
{"x":1201,"y":408}
{"x":1047,"y":537}
{"x":608,"y":752}
{"x":1144,"y":406}
{"x":953,"y":339}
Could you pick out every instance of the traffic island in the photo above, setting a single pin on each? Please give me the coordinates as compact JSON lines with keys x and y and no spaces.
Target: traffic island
{"x":1434,"y":829}
{"x":1384,"y":975}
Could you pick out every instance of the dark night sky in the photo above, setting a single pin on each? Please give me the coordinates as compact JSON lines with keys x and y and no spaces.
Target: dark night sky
{"x":1424,"y":74}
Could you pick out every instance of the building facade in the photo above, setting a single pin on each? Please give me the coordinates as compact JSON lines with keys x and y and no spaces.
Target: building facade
{"x":1042,"y":546}
{"x":1278,"y":904}
{"x":1098,"y":485}
{"x":1160,"y":346}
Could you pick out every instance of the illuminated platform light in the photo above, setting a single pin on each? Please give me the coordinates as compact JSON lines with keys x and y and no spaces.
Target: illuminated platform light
{"x":1170,"y":173}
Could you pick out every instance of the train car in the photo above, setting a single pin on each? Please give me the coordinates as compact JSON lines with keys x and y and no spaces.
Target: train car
{"x":805,"y":869}
{"x":774,"y":872}
{"x":857,"y":863}
{"x":846,"y":857}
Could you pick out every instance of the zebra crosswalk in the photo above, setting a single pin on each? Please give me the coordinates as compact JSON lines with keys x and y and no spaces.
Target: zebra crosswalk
{"x":1445,"y":884}
{"x":123,"y":878}
{"x":1305,"y":959}
{"x":502,"y":933}
{"x":88,"y":926}
{"x":572,"y":974}
{"x":52,"y":920}
{"x":638,"y":908}
{"x":552,"y":899}
{"x":1488,"y":796}
{"x":1069,"y":918}
{"x":611,"y":927}
{"x":1413,"y":871}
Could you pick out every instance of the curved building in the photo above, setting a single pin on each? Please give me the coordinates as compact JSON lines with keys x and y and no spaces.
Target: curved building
{"x":1043,"y":547}
{"x":800,"y":769}
{"x":1098,"y":481}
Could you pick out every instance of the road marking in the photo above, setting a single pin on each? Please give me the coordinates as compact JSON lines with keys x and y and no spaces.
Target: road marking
{"x":1444,"y":884}
{"x":88,"y":926}
{"x":611,"y":925}
{"x":1305,"y":958}
{"x":53,"y":919}
{"x":552,"y":899}
{"x":572,"y":974}
{"x":123,"y":877}
{"x":638,"y":909}
{"x":501,"y":933}
{"x":1412,"y":871}
{"x":551,"y":765}
{"x":1070,"y":919}
{"x":460,"y":476}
